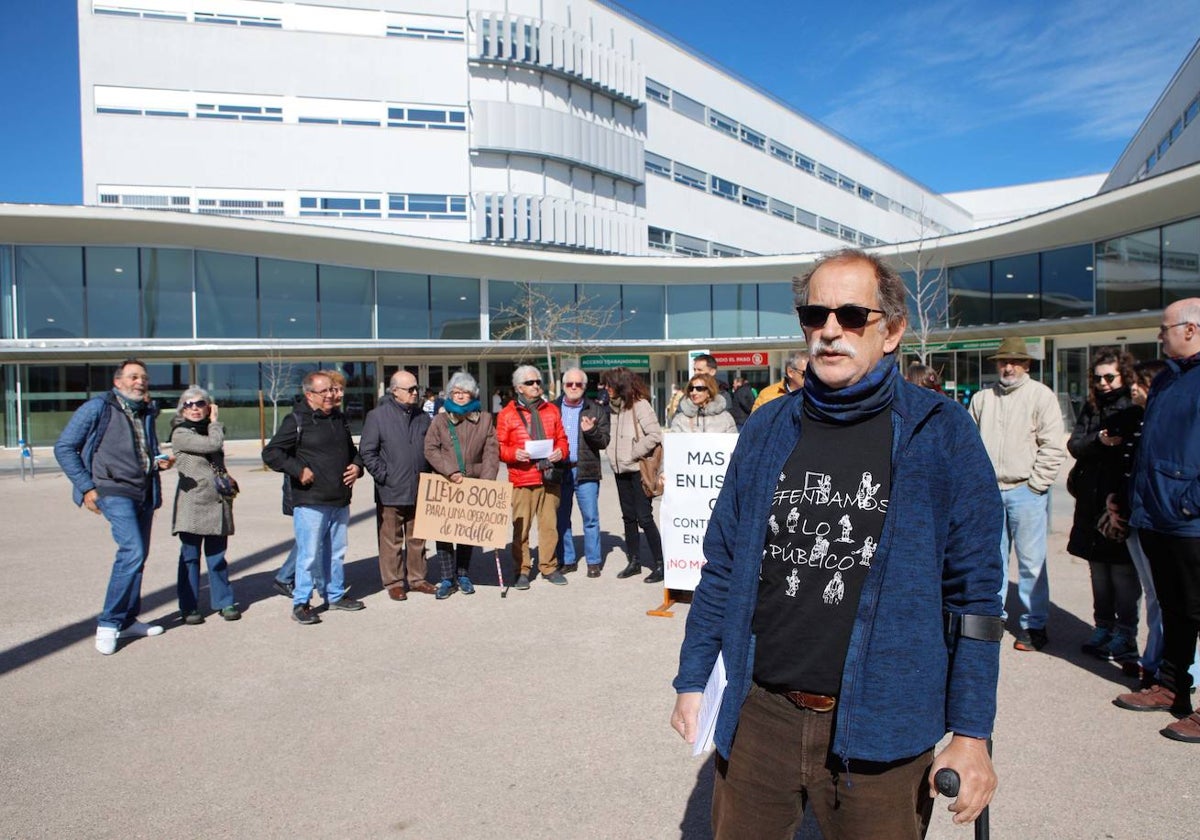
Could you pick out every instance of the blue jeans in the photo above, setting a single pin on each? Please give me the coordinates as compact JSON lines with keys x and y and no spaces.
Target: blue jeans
{"x":287,"y":572}
{"x":220,"y":593}
{"x":587,"y":493}
{"x":314,"y":525}
{"x":1025,"y":519}
{"x":130,"y":521}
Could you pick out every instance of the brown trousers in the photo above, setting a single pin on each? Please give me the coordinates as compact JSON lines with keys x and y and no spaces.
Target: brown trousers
{"x":401,"y":557}
{"x":541,"y":502}
{"x":780,"y":761}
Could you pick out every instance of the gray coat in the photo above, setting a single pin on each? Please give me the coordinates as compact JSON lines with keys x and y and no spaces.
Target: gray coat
{"x":199,"y":509}
{"x":393,"y":448}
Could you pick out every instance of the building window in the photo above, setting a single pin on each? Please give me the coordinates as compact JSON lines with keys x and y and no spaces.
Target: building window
{"x":754,"y":200}
{"x":1181,"y":260}
{"x":1128,"y":273}
{"x":690,"y":177}
{"x":722,"y":123}
{"x":970,"y":294}
{"x":347,"y":301}
{"x":753,"y":138}
{"x":660,"y":239}
{"x":1016,"y":289}
{"x":1067,"y":275}
{"x":403,"y":301}
{"x":50,"y":292}
{"x":690,"y":108}
{"x":113,"y":297}
{"x":166,"y":292}
{"x":658,"y":164}
{"x":656,"y":92}
{"x":782,"y":210}
{"x":226,"y":296}
{"x":782,"y":152}
{"x":723,"y":188}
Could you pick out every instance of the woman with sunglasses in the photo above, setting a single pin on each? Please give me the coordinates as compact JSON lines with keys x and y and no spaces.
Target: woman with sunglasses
{"x":1107,"y":419}
{"x":461,"y":443}
{"x":203,"y":518}
{"x":703,"y":408}
{"x":635,"y":433}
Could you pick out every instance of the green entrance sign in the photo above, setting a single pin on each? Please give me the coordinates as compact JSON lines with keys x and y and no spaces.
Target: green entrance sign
{"x":604,"y":361}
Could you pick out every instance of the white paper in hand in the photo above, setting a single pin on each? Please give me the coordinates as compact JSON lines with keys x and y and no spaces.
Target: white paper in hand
{"x":710,"y":706}
{"x":539,"y":449}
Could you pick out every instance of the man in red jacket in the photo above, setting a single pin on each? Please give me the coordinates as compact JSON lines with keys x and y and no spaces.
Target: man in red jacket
{"x":530,"y":417}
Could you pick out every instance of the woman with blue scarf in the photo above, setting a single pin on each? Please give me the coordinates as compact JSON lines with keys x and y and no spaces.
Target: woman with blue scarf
{"x":461,"y":441}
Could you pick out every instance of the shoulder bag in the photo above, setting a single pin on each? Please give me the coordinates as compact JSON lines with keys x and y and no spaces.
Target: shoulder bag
{"x":653,"y":481}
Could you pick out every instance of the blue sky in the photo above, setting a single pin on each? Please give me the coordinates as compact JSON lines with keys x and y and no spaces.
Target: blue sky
{"x":957,"y":95}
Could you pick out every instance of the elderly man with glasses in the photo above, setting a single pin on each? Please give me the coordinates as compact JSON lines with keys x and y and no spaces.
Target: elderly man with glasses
{"x":1164,"y":502}
{"x":314,"y":448}
{"x":393,"y":448}
{"x":528,"y":423}
{"x":587,"y":428}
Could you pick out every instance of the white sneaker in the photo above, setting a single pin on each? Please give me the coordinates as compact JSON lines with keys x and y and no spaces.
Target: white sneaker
{"x":106,"y":640}
{"x":141,"y":628}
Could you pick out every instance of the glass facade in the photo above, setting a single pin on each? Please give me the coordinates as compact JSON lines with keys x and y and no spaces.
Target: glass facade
{"x":108,"y":292}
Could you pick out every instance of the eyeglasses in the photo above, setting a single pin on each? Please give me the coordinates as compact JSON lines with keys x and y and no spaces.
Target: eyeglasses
{"x":196,"y":404}
{"x":529,"y":383}
{"x":1163,"y":329}
{"x":571,"y":384}
{"x":703,"y":388}
{"x":325,"y":393}
{"x":849,"y":315}
{"x":1105,"y":377}
{"x":412,"y":389}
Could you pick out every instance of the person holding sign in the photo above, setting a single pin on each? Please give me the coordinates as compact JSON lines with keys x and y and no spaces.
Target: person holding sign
{"x":851,"y":589}
{"x":703,"y":408}
{"x":530,"y":433}
{"x":635,"y":434}
{"x":461,"y":443}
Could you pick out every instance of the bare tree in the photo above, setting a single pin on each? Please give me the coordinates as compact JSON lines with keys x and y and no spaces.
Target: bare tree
{"x":278,"y":376}
{"x":928,"y":293}
{"x":548,"y":323}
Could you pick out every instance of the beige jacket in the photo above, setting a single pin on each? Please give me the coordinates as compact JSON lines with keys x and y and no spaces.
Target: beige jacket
{"x":1022,"y":431}
{"x":623,"y":453}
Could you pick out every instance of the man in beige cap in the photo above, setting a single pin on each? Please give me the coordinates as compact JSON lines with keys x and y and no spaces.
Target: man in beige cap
{"x":1022,"y":429}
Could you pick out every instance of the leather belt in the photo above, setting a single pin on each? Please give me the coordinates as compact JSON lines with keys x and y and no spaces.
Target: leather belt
{"x":812,"y":702}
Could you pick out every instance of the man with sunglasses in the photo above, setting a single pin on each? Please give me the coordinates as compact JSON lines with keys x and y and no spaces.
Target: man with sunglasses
{"x":1165,"y":509}
{"x":528,"y":417}
{"x":850,"y":588}
{"x":314,"y":448}
{"x":793,"y":379}
{"x":586,"y":424}
{"x":1021,"y":425}
{"x":393,"y":448}
{"x":109,"y":451}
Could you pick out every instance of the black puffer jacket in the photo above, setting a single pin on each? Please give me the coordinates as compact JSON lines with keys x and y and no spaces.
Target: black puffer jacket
{"x":321,"y":442}
{"x":1099,"y":470}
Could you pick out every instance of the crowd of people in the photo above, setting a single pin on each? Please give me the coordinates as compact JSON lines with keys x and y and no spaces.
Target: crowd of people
{"x":870,"y":470}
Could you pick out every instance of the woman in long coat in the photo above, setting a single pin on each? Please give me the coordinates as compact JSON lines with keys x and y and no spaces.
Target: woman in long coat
{"x":203,"y":518}
{"x":461,"y":442}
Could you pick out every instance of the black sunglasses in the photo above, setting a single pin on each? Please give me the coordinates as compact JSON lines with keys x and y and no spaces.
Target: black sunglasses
{"x":1105,"y":377}
{"x":412,"y":389}
{"x":529,"y":382}
{"x":196,"y":404}
{"x":849,"y":315}
{"x":703,"y":388}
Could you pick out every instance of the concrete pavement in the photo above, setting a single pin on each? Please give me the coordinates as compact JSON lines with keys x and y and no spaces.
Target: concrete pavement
{"x":542,"y":715}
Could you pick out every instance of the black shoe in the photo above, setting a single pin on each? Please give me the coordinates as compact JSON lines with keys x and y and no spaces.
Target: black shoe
{"x":568,"y":568}
{"x":634,"y":568}
{"x":1029,"y":640}
{"x":347,"y":604}
{"x":655,"y":576}
{"x":557,"y":579}
{"x":305,"y":615}
{"x":193,"y":617}
{"x":282,"y":588}
{"x":594,"y":570}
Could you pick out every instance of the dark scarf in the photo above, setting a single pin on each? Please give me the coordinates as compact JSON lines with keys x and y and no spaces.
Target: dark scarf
{"x":865,"y":398}
{"x":200,"y":427}
{"x":536,"y":430}
{"x":1106,"y":400}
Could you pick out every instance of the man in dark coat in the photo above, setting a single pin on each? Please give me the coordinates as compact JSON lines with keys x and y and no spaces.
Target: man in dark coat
{"x":393,"y":448}
{"x":587,"y":426}
{"x":313,"y":446}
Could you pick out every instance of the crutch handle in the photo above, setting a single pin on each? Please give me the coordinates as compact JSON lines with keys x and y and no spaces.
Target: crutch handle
{"x":946,"y":781}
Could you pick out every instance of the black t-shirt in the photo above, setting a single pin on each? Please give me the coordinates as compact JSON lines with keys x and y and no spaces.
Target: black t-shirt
{"x":826,"y":519}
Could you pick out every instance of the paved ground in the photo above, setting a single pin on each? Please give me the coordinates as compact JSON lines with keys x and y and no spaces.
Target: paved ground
{"x":542,"y":715}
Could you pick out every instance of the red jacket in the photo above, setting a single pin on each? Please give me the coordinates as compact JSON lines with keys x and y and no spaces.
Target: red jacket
{"x":512,"y":434}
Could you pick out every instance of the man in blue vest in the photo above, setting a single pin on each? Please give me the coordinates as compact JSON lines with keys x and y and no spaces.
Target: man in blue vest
{"x":109,"y":451}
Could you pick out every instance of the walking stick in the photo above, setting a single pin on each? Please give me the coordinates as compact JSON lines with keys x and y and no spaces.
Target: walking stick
{"x":500,"y":576}
{"x":946,"y":781}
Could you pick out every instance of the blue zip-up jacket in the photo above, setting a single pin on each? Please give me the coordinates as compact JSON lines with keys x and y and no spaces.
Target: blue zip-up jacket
{"x":93,"y":422}
{"x":902,"y":686}
{"x":1165,"y":487}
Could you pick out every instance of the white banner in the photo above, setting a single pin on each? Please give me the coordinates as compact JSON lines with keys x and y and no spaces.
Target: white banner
{"x":694,"y":466}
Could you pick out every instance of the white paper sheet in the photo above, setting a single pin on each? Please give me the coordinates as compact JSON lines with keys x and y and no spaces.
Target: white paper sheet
{"x":710,"y":705}
{"x":539,"y":449}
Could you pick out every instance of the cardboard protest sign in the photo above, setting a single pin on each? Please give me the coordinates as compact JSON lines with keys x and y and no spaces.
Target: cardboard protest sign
{"x":474,"y":512}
